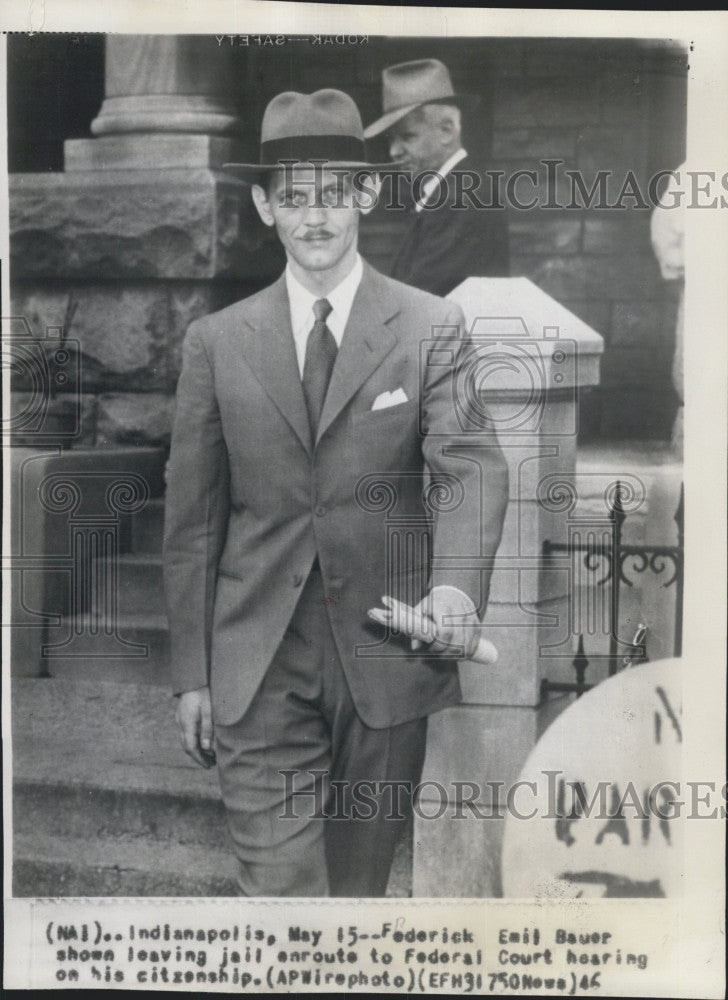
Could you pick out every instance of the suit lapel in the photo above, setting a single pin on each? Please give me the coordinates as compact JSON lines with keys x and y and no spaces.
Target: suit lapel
{"x":365,"y":344}
{"x":271,"y":354}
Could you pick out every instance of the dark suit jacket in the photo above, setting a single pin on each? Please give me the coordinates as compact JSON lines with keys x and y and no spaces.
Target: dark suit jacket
{"x":251,"y":500}
{"x":446,"y":245}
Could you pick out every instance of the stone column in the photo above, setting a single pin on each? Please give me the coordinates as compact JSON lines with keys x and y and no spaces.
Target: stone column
{"x":533,"y":358}
{"x":169,"y":102}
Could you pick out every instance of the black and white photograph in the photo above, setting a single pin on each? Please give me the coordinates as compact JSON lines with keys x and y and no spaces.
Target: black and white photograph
{"x":364,"y":537}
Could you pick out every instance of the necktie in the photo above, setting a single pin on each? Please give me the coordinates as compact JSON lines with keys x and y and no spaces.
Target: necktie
{"x":319,"y":362}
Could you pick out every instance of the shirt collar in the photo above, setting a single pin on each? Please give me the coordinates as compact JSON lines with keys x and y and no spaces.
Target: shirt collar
{"x":340,"y":298}
{"x":301,"y":303}
{"x":431,"y":184}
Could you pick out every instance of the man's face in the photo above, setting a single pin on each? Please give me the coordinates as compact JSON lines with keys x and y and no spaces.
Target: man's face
{"x":315,"y":215}
{"x":417,"y":141}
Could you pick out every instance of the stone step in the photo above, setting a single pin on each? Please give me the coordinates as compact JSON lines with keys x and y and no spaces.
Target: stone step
{"x":69,"y":809}
{"x":105,"y":802}
{"x":52,"y":865}
{"x":55,"y":866}
{"x":138,"y":652}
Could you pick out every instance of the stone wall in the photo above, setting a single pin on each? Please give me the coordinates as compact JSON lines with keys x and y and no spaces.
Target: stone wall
{"x":123,"y":261}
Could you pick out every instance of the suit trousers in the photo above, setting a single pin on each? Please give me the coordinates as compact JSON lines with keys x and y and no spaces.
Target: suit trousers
{"x":315,"y":799}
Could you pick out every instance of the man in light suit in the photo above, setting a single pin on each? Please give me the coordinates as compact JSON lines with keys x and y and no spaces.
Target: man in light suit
{"x":451,"y":235}
{"x":311,"y":418}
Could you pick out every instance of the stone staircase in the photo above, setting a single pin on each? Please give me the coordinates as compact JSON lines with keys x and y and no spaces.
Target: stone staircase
{"x":141,"y":619}
{"x":105,"y":801}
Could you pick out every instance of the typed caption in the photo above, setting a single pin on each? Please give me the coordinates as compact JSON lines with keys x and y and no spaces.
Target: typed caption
{"x":230,"y":946}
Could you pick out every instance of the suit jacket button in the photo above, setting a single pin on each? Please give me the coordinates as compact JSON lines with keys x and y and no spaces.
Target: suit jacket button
{"x":297,"y":579}
{"x":320,"y":510}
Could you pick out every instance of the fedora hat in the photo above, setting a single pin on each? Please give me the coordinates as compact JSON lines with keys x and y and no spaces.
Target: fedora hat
{"x":325,"y":125}
{"x":409,"y":85}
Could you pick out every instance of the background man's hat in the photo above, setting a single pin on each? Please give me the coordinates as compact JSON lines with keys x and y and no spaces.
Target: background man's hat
{"x":409,"y":85}
{"x":325,"y":125}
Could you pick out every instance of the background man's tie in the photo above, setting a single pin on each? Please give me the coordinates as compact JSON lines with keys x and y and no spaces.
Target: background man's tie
{"x":319,"y":363}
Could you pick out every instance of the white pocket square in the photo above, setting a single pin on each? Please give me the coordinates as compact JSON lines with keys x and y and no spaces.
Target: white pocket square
{"x":385,"y":399}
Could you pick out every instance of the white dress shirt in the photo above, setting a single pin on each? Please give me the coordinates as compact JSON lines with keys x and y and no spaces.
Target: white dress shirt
{"x":301,"y":303}
{"x":432,"y":183}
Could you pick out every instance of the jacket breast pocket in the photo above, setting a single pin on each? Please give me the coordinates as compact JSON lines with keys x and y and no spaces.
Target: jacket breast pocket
{"x":400,"y":413}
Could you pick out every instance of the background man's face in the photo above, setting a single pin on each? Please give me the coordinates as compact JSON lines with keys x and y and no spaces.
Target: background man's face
{"x":417,"y":142}
{"x":315,"y":215}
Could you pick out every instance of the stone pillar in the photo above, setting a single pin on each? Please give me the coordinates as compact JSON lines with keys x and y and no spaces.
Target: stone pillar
{"x":533,"y":358}
{"x":169,"y":102}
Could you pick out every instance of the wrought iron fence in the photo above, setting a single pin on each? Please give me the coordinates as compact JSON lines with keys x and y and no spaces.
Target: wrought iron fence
{"x":617,"y":560}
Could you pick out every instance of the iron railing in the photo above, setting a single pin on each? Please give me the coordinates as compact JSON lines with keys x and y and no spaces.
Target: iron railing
{"x":620,"y":559}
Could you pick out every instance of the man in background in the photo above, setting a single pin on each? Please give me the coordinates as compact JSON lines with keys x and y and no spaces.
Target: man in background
{"x":450,"y":237}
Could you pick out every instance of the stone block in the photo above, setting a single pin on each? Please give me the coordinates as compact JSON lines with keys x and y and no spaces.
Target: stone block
{"x":151,"y":151}
{"x":457,"y":858}
{"x":146,"y":224}
{"x":187,"y":301}
{"x":531,"y":434}
{"x":576,"y":57}
{"x":529,"y":340}
{"x":597,"y":312}
{"x":545,"y":103}
{"x":550,"y":186}
{"x":521,"y":581}
{"x":529,"y":463}
{"x":134,"y":419}
{"x":479,"y":744}
{"x":72,"y":418}
{"x":649,"y":323}
{"x":628,"y":275}
{"x":623,"y":97}
{"x":610,"y":148}
{"x":630,"y":231}
{"x":534,"y":233}
{"x":504,"y":59}
{"x":122,"y":329}
{"x":635,"y":367}
{"x":652,"y":420}
{"x":538,"y":143}
{"x":516,"y":634}
{"x":527,"y":523}
{"x":524,"y":634}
